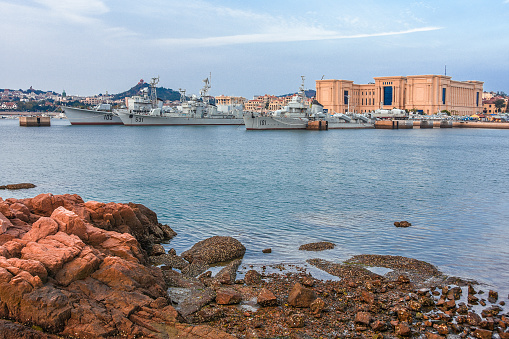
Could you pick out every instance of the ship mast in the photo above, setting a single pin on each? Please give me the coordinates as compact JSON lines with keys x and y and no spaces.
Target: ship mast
{"x":153,"y":94}
{"x":182,"y":95}
{"x":302,"y":90}
{"x":204,"y":92}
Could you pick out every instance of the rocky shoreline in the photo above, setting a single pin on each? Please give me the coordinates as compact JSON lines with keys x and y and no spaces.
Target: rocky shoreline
{"x":75,"y":269}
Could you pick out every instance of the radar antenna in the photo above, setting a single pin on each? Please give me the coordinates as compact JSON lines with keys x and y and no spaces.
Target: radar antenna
{"x":204,"y":92}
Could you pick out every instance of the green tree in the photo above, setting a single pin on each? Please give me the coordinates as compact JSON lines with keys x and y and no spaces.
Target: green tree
{"x":499,"y":104}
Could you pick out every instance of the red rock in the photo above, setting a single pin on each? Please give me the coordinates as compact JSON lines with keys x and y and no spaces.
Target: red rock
{"x":402,"y":329}
{"x":96,"y":236}
{"x":473,"y":319}
{"x":227,"y":296}
{"x":46,"y":306}
{"x":70,"y":223}
{"x":228,"y":274}
{"x":296,"y":320}
{"x":363,"y":318}
{"x":252,"y":277}
{"x":442,"y":329}
{"x":472,"y":299}
{"x":126,"y":275}
{"x":317,"y":306}
{"x":5,"y":275}
{"x":14,"y":247}
{"x":430,"y":335}
{"x":301,"y":296}
{"x":308,"y":282}
{"x":122,"y":245}
{"x":200,"y":331}
{"x":367,"y":297}
{"x":34,"y":281}
{"x":158,"y":249}
{"x":4,"y":223}
{"x":34,"y":267}
{"x":78,"y":268}
{"x":266,"y":298}
{"x":493,"y":296}
{"x":160,"y":303}
{"x":403,"y":280}
{"x":450,"y":304}
{"x":93,"y":320}
{"x":379,"y":325}
{"x":5,"y":209}
{"x":20,"y":211}
{"x":53,"y":251}
{"x":404,"y":315}
{"x":45,"y":204}
{"x":402,"y":224}
{"x":483,"y":334}
{"x":488,"y":324}
{"x":96,"y":209}
{"x":42,"y":228}
{"x":9,"y":329}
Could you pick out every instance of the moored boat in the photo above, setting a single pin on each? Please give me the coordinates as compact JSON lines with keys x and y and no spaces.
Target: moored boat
{"x":349,"y":121}
{"x":149,"y":111}
{"x":99,"y":115}
{"x":295,"y":115}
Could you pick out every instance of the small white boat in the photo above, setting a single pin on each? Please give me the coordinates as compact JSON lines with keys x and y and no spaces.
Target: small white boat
{"x":100,"y":115}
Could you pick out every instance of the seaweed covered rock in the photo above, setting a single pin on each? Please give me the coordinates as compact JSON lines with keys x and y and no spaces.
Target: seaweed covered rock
{"x":215,"y":249}
{"x":317,"y":246}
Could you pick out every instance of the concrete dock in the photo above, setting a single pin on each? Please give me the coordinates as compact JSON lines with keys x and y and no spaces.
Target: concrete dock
{"x":34,"y":121}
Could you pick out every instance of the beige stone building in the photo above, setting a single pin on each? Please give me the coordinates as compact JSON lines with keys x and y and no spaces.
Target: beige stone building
{"x":228,"y":100}
{"x":270,"y":103}
{"x":427,"y":94}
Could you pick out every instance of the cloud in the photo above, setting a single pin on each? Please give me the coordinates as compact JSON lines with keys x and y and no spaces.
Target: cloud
{"x":309,"y":34}
{"x":80,"y":11}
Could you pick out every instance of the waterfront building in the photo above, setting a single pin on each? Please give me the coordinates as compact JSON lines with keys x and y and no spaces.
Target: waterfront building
{"x":426,"y":94}
{"x":270,"y":103}
{"x":229,"y":100}
{"x":489,"y":106}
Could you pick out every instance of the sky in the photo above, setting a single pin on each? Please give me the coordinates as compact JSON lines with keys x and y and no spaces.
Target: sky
{"x":249,"y":48}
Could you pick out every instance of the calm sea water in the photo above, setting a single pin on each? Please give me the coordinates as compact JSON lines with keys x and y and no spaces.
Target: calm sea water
{"x":281,"y":189}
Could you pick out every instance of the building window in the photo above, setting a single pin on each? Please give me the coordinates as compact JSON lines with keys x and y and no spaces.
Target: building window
{"x":443,"y":96}
{"x":346,"y":97}
{"x":477,"y":99}
{"x":388,"y":96}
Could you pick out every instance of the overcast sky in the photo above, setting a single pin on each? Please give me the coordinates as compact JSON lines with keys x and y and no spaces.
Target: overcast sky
{"x":250,"y":47}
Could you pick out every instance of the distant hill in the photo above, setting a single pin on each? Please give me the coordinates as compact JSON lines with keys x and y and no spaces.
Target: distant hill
{"x":162,"y":93}
{"x":310,"y":93}
{"x":30,"y":90}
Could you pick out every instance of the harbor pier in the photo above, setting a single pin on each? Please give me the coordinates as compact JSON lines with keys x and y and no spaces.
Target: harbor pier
{"x":37,"y":121}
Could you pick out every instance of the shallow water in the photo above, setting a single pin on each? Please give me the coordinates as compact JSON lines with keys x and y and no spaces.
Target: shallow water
{"x":282,"y":189}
